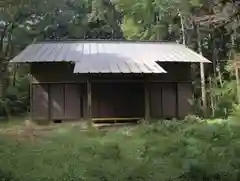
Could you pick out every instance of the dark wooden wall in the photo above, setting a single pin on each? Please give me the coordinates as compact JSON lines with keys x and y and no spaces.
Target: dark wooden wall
{"x":63,"y":72}
{"x":58,"y":101}
{"x":117,"y":100}
{"x":168,"y":100}
{"x":59,"y":94}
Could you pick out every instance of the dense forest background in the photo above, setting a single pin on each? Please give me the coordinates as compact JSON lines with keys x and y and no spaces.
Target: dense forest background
{"x":210,"y":27}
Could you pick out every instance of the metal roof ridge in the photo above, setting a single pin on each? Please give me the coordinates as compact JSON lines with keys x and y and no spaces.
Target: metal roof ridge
{"x":106,"y":41}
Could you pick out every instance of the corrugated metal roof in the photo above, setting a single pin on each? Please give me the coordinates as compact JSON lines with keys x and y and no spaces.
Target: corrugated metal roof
{"x":110,"y":56}
{"x":77,"y":51}
{"x":113,"y":63}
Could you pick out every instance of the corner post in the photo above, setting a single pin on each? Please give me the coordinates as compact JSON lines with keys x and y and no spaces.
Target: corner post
{"x":147,"y":101}
{"x":89,"y":102}
{"x":177,"y":101}
{"x":31,"y":95}
{"x":49,"y":102}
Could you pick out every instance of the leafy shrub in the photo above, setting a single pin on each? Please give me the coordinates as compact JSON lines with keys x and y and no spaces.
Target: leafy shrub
{"x":16,"y":101}
{"x":235,"y":114}
{"x":226,"y":98}
{"x":6,"y":176}
{"x":165,"y":151}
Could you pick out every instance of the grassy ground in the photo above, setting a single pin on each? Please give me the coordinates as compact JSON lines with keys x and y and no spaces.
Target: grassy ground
{"x":167,"y":150}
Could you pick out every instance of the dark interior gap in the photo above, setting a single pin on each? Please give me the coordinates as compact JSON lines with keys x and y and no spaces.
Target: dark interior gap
{"x":64,"y":99}
{"x":49,"y":101}
{"x":81,"y":106}
{"x":161,"y":102}
{"x":177,"y":101}
{"x":57,"y":121}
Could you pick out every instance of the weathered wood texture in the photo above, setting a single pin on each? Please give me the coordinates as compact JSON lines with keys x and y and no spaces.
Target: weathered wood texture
{"x":112,"y":96}
{"x":57,"y":101}
{"x":63,"y":72}
{"x":168,"y":100}
{"x":89,"y":100}
{"x":147,"y":99}
{"x":117,"y":100}
{"x":40,"y":101}
{"x":120,"y":100}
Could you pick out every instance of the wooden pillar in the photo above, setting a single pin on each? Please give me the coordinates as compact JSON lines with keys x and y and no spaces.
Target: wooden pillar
{"x":147,"y":101}
{"x":177,"y":101}
{"x":49,"y":102}
{"x":31,"y":95}
{"x":89,"y":101}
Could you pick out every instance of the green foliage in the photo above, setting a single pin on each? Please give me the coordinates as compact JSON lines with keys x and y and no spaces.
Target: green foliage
{"x":223,"y":92}
{"x":26,"y":21}
{"x":167,"y":150}
{"x":16,"y":101}
{"x":235,"y":114}
{"x":154,"y":20}
{"x":6,"y":176}
{"x":65,"y":20}
{"x":226,"y":98}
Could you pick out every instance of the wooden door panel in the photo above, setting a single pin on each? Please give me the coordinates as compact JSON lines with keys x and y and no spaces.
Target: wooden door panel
{"x":156,"y":100}
{"x":40,"y":100}
{"x":184,"y":94}
{"x":57,"y":101}
{"x":169,"y":100}
{"x":73,"y":97}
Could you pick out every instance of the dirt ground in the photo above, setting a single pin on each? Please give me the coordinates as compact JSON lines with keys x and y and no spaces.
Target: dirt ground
{"x":26,"y":129}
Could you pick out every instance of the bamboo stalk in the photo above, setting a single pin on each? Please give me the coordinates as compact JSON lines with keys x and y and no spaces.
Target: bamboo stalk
{"x":182,"y":28}
{"x":220,"y":77}
{"x":237,"y":82}
{"x":233,"y":38}
{"x":202,"y":74}
{"x":89,"y":103}
{"x":211,"y":96}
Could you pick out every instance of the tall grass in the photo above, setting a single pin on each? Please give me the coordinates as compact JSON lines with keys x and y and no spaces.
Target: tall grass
{"x":164,"y":151}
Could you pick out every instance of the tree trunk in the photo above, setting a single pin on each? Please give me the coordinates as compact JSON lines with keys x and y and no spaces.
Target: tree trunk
{"x":233,"y":38}
{"x":2,"y":56}
{"x":5,"y":54}
{"x":182,"y":29}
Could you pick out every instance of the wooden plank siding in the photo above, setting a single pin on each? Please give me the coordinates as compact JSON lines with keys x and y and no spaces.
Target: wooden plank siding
{"x":168,"y":100}
{"x":184,"y":95}
{"x":63,"y":73}
{"x":40,"y":102}
{"x":73,"y":101}
{"x":57,"y":101}
{"x":156,"y":107}
{"x":121,"y":100}
{"x":117,"y":100}
{"x":112,"y":95}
